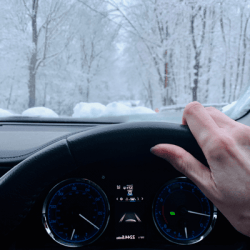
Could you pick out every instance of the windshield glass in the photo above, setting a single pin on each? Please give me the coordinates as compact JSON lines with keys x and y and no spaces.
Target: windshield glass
{"x":146,"y":59}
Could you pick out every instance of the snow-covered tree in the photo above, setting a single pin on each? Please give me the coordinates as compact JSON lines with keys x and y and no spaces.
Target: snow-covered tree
{"x":57,"y":53}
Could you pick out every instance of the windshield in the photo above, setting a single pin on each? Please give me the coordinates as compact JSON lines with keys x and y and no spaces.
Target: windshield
{"x":146,"y":59}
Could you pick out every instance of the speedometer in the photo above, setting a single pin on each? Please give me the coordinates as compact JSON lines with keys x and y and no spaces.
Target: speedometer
{"x":182,"y":213}
{"x":75,"y":212}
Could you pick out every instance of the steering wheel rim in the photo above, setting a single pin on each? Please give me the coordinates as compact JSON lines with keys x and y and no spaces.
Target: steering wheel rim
{"x":40,"y":170}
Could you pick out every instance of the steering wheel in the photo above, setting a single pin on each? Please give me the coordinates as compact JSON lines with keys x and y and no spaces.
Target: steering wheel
{"x":22,"y":185}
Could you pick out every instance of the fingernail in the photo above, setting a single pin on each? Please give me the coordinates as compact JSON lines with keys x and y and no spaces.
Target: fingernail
{"x":151,"y":149}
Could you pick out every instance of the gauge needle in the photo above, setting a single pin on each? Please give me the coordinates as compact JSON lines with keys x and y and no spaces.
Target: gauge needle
{"x":198,"y":213}
{"x":186,"y":232}
{"x":72,"y":234}
{"x":89,"y":221}
{"x":122,"y":218}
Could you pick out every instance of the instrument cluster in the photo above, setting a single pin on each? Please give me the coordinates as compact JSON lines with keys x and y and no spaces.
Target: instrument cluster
{"x":76,"y":212}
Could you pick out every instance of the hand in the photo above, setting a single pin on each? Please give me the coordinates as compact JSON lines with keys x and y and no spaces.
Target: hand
{"x":226,"y":146}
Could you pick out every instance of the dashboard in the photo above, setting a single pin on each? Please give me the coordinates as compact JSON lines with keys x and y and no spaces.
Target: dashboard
{"x":112,"y":194}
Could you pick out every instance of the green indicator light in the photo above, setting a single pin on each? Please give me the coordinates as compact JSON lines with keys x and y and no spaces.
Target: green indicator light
{"x":172,"y":213}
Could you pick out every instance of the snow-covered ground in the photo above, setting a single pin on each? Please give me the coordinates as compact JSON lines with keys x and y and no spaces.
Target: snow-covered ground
{"x":131,"y":103}
{"x":93,"y":110}
{"x":4,"y":113}
{"x":234,"y":110}
{"x":85,"y":110}
{"x":40,"y":112}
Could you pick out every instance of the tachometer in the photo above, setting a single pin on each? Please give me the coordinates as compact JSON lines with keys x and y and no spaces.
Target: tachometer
{"x":182,"y":213}
{"x":75,"y":212}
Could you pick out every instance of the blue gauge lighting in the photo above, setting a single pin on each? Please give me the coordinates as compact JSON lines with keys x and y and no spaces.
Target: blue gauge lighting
{"x":77,"y":212}
{"x":181,"y":211}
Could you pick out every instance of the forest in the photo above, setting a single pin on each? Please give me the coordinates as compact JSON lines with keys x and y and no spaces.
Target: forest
{"x":57,"y":53}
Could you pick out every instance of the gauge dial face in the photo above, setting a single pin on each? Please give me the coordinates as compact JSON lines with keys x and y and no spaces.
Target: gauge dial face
{"x":182,"y":213}
{"x":75,"y":212}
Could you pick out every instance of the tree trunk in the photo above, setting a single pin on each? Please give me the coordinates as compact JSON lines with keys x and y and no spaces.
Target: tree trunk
{"x":197,"y":63}
{"x":165,"y":96}
{"x":211,"y":40}
{"x":197,"y":52}
{"x":33,"y":59}
{"x":10,"y":95}
{"x":226,"y":57}
{"x":244,"y":55}
{"x":239,"y":57}
{"x":32,"y":81}
{"x":188,"y":86}
{"x":45,"y":94}
{"x":196,"y":74}
{"x":150,"y":95}
{"x":87,"y":91}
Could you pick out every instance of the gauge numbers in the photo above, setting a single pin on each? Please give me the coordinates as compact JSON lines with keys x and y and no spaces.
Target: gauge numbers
{"x":75,"y":212}
{"x":182,"y":213}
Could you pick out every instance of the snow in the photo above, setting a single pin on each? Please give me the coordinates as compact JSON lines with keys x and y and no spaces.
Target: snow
{"x":93,"y":110}
{"x":237,"y":109}
{"x":93,"y":73}
{"x":4,"y":113}
{"x":116,"y":108}
{"x":108,"y":69}
{"x":40,"y":112}
{"x":130,"y":103}
{"x":142,"y":110}
{"x":234,"y":110}
{"x":88,"y":110}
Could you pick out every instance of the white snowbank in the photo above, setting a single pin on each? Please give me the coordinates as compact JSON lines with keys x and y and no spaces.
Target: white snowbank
{"x":4,"y":113}
{"x":130,"y":103}
{"x":90,"y":110}
{"x":41,"y":112}
{"x":116,"y":109}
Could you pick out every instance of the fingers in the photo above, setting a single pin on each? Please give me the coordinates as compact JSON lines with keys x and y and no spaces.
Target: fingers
{"x":185,"y":163}
{"x":237,"y":130}
{"x":222,"y":120}
{"x":201,"y":124}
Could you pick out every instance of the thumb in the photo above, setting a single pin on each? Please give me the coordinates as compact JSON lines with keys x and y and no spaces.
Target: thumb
{"x":185,"y":163}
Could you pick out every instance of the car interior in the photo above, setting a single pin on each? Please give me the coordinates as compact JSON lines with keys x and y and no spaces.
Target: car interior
{"x":95,"y":185}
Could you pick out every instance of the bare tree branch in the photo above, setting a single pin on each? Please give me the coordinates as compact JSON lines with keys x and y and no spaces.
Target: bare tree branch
{"x":28,"y":11}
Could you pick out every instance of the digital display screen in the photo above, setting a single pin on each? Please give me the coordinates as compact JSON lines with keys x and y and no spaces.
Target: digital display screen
{"x":129,"y":213}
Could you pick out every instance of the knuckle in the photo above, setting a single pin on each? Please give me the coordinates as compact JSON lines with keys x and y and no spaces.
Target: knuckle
{"x":211,"y":108}
{"x":219,"y":147}
{"x":241,"y":132}
{"x":192,"y":107}
{"x":183,"y":165}
{"x":242,"y":137}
